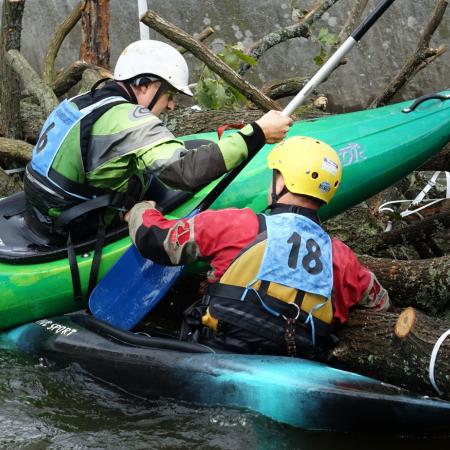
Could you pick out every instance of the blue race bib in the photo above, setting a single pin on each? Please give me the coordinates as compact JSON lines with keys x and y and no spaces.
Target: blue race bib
{"x":298,"y":254}
{"x":53,"y":133}
{"x":56,"y":128}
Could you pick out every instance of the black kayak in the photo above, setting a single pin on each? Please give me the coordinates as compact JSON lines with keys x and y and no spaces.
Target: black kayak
{"x":294,"y":391}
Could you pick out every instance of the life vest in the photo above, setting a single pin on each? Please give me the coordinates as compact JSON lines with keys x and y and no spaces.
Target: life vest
{"x":72,"y":120}
{"x":285,"y":275}
{"x":68,"y":121}
{"x":55,"y":130}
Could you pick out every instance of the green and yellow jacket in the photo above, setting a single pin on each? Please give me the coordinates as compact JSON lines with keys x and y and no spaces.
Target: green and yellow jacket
{"x":119,"y":141}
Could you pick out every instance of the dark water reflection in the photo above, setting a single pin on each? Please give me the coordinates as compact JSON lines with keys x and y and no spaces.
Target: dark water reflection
{"x":47,"y":408}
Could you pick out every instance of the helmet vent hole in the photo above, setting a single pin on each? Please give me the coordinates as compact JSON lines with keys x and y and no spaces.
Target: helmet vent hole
{"x":314,"y":175}
{"x":336,"y":183}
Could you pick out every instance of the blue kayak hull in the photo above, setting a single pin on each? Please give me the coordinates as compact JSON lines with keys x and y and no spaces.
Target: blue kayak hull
{"x":294,"y":391}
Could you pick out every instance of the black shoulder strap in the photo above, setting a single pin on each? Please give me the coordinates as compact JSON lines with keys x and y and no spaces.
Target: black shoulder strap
{"x":69,"y":215}
{"x":261,"y":223}
{"x":89,"y":98}
{"x":86,"y":125}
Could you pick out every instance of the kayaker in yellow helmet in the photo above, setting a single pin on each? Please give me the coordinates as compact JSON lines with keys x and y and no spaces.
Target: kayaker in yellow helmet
{"x":279,"y":284}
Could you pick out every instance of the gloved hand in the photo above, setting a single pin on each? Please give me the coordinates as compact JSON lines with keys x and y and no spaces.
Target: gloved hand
{"x":148,"y":203}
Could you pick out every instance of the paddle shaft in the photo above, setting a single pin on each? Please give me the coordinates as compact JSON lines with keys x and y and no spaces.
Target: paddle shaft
{"x":323,"y":73}
{"x":336,"y":58}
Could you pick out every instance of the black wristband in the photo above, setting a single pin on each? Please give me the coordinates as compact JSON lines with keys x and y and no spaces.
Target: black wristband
{"x":254,"y":141}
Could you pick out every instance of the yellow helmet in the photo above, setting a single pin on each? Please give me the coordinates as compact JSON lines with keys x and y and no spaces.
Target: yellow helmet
{"x":309,"y":167}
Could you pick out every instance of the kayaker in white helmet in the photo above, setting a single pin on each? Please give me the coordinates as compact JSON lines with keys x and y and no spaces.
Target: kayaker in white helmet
{"x":95,"y":149}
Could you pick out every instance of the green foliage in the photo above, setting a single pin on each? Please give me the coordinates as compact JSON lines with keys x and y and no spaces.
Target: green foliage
{"x":214,"y":93}
{"x":320,"y":59}
{"x":326,"y":38}
{"x":327,"y":41}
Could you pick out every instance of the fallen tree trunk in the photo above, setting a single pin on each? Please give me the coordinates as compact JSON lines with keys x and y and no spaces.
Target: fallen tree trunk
{"x":439,"y":162}
{"x":424,"y":284}
{"x":9,"y":184}
{"x":395,"y":348}
{"x":13,"y":151}
{"x":32,"y":82}
{"x":187,"y":121}
{"x":419,"y":230}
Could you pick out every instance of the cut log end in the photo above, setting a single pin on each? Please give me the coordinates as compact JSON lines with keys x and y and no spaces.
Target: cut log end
{"x":405,"y":322}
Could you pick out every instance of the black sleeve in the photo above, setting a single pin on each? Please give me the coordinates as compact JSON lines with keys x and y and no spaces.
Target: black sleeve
{"x":254,"y":141}
{"x":195,"y":168}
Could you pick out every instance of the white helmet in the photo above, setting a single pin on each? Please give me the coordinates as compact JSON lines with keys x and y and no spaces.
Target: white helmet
{"x":153,"y":58}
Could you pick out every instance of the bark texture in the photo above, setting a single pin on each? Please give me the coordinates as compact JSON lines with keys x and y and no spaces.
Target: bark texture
{"x":439,"y":162}
{"x":42,"y":92}
{"x":70,"y":77}
{"x":9,"y":184}
{"x":13,"y":151}
{"x":94,"y":47}
{"x":395,"y":348}
{"x":424,"y":284}
{"x":10,"y":88}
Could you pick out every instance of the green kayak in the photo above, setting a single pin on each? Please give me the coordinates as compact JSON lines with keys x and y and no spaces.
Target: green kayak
{"x":377,"y":147}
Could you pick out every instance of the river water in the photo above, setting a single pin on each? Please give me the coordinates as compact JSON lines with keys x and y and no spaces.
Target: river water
{"x":44,"y":407}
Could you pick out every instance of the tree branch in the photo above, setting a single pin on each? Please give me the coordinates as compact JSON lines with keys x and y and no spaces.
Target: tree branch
{"x":32,"y":82}
{"x":422,"y":57}
{"x":57,"y":39}
{"x":301,"y":29}
{"x":284,"y":88}
{"x":72,"y":75}
{"x":202,"y":36}
{"x":12,"y":150}
{"x":354,"y":16}
{"x":180,"y":37}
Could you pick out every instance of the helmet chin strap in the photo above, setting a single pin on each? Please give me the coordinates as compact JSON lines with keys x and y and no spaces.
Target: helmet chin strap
{"x":137,"y":82}
{"x":162,"y":88}
{"x":130,"y":91}
{"x":274,"y":195}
